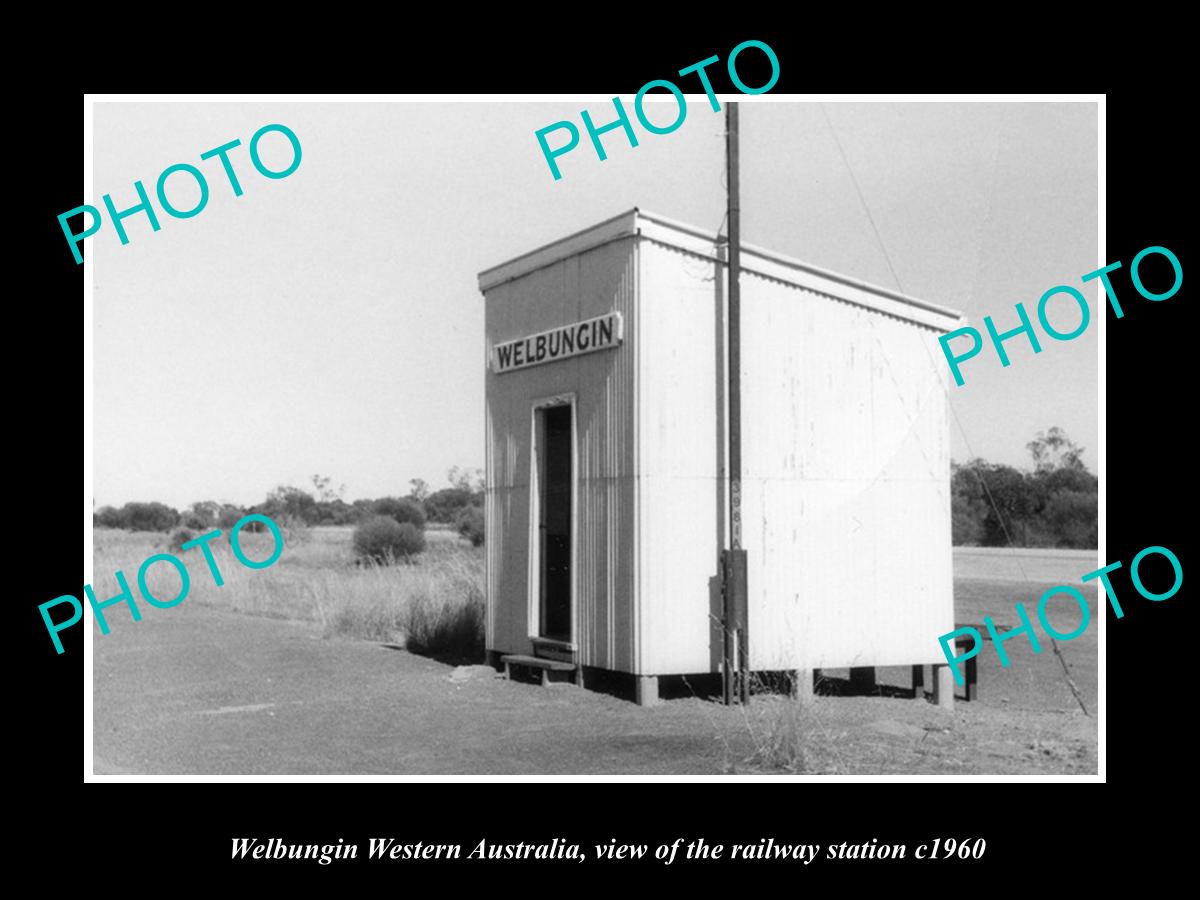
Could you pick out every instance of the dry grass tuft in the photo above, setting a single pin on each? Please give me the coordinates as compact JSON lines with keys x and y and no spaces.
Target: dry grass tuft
{"x":782,"y":735}
{"x":434,"y":605}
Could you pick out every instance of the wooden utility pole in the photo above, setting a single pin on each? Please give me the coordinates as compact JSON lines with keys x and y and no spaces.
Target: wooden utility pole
{"x":734,"y":560}
{"x":735,"y":323}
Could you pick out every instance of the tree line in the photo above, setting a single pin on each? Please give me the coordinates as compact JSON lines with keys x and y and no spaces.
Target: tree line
{"x":460,"y":504}
{"x":992,"y":505}
{"x":1054,"y":505}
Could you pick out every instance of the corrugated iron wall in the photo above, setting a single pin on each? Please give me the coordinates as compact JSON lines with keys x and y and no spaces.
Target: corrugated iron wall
{"x":845,"y":475}
{"x":846,"y":483}
{"x":846,"y":468}
{"x":682,"y":460}
{"x":590,"y":284}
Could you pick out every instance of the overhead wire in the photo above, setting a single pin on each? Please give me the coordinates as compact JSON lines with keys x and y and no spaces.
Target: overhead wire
{"x":966,"y":441}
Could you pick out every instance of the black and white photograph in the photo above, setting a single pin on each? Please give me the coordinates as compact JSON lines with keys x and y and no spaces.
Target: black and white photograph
{"x":732,"y":434}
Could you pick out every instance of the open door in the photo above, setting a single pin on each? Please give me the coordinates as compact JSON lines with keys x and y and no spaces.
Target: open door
{"x":555,"y":517}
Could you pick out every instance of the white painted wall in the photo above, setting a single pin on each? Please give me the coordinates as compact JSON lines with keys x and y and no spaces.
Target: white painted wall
{"x":845,"y":449}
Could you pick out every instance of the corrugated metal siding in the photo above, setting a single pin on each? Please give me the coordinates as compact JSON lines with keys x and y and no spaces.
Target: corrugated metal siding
{"x":590,"y":284}
{"x":846,"y":467}
{"x":846,"y":483}
{"x":845,"y":475}
{"x":681,"y":460}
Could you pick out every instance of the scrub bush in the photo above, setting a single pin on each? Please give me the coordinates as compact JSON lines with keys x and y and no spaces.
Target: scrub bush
{"x":445,"y":505}
{"x":470,"y":525}
{"x":382,"y":539}
{"x":447,"y":622}
{"x":149,"y":516}
{"x":181,"y":537}
{"x":108,"y":517}
{"x":401,"y":509}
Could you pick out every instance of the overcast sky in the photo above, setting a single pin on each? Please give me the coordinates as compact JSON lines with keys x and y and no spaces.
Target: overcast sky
{"x":330,"y":322}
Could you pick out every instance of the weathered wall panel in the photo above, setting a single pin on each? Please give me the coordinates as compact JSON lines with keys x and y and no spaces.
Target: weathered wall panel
{"x":598,"y":281}
{"x":846,"y":475}
{"x":681,"y":459}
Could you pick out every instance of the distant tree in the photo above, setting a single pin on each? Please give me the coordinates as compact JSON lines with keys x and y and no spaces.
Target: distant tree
{"x":459,"y":478}
{"x":469,"y":480}
{"x":968,"y":507}
{"x":229,"y":516}
{"x":336,"y":512}
{"x":1054,"y":450}
{"x":260,"y":509}
{"x":402,"y":509}
{"x":466,"y":489}
{"x":290,"y":504}
{"x":149,"y":516}
{"x":444,"y":505}
{"x":1065,"y":494}
{"x":202,"y":514}
{"x":419,"y":489}
{"x":326,"y":493}
{"x":1053,"y":506}
{"x":1002,"y":504}
{"x":110,"y":517}
{"x":1071,"y":516}
{"x":1068,"y":480}
{"x":470,"y":524}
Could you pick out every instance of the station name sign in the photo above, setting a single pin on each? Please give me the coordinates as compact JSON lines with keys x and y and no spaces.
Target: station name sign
{"x":588,"y":336}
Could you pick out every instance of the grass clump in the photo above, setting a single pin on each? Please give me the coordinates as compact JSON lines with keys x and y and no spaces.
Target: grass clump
{"x":434,"y":604}
{"x":780,"y":733}
{"x":445,"y":620}
{"x":781,"y":738}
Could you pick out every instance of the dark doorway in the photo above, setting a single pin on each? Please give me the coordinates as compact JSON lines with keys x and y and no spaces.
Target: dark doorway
{"x":554,"y":522}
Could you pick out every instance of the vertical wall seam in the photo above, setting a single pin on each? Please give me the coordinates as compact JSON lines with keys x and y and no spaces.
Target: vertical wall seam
{"x":638,"y":597}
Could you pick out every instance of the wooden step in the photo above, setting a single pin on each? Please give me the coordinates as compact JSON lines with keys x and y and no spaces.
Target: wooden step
{"x":536,"y":662}
{"x":554,"y":665}
{"x":547,"y":648}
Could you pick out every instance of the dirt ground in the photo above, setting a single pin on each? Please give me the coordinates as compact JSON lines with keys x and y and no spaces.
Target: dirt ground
{"x":198,"y":690}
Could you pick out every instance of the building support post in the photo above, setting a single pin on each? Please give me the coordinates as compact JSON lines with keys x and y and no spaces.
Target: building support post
{"x":647,"y":690}
{"x":918,"y":680}
{"x":802,"y":685}
{"x":943,"y":686}
{"x":862,"y":678}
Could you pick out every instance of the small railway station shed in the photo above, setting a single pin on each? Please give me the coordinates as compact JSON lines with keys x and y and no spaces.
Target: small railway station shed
{"x":607,"y":434}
